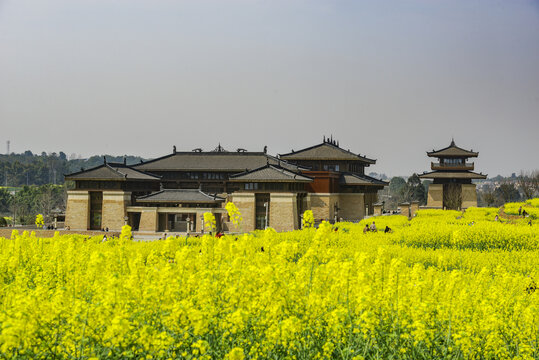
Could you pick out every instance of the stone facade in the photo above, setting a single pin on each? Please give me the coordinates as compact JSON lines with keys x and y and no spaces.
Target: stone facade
{"x":283,"y":212}
{"x":78,"y":210}
{"x":377,"y":209}
{"x":435,"y":198}
{"x":148,"y":219}
{"x":322,"y":205}
{"x":245,"y":202}
{"x":351,"y":207}
{"x":469,"y":196}
{"x":114,"y":209}
{"x":436,"y":191}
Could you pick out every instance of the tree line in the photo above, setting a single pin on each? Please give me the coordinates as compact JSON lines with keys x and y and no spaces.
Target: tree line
{"x":31,"y":169}
{"x":33,"y":184}
{"x":23,"y":205}
{"x":512,"y":189}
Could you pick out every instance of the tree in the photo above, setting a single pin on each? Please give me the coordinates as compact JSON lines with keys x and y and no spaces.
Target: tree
{"x":525,"y":183}
{"x":5,"y":201}
{"x":413,"y":190}
{"x":395,"y":185}
{"x":535,"y":181}
{"x":507,"y":192}
{"x":489,"y":198}
{"x":452,"y":196}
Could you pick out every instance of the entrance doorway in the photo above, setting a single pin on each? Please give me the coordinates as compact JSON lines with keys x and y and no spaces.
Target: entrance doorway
{"x":96,"y":209}
{"x":452,"y":196}
{"x":261,"y":202}
{"x":134,"y":220}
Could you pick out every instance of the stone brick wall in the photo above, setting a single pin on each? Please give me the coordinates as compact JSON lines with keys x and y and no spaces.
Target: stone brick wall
{"x":469,"y":196}
{"x":245,"y":203}
{"x":283,"y":211}
{"x":322,"y":205}
{"x":435,"y":197}
{"x":148,"y":219}
{"x":78,"y":210}
{"x":351,"y":206}
{"x":114,"y":209}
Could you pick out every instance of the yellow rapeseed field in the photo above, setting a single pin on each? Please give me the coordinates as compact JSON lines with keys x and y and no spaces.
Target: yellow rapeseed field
{"x":443,"y":285}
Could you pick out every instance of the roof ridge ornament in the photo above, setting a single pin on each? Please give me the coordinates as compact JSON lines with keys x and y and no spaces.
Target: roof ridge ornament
{"x":174,"y":149}
{"x":452,"y":142}
{"x":104,"y":160}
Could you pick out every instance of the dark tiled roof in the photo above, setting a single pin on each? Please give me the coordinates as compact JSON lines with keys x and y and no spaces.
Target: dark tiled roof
{"x":325,"y":151}
{"x":452,"y":150}
{"x":180,"y":196}
{"x":452,"y":175}
{"x":111,"y":171}
{"x":355,"y":179}
{"x":270,"y":173}
{"x":212,"y":161}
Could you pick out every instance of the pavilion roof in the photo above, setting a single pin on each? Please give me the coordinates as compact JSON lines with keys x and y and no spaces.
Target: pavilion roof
{"x":325,"y":151}
{"x":452,"y":151}
{"x":270,"y":173}
{"x":180,"y":196}
{"x":355,"y":179}
{"x":112,"y":171}
{"x":437,"y":174}
{"x":213,"y":161}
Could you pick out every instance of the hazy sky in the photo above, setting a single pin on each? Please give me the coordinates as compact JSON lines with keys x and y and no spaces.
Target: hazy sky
{"x":389,"y":79}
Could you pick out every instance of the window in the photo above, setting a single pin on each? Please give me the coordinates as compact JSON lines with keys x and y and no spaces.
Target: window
{"x":251,"y":186}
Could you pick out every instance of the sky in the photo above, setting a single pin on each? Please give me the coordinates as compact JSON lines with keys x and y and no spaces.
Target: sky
{"x":389,"y":79}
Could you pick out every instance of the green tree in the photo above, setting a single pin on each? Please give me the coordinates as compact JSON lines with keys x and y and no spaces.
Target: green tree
{"x":414,"y":190}
{"x":5,"y":201}
{"x":489,"y":198}
{"x":507,"y":192}
{"x":395,"y":185}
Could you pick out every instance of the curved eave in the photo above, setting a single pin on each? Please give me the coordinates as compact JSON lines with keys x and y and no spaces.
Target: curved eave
{"x":108,"y":179}
{"x":365,"y":184}
{"x":362,"y":159}
{"x":438,"y":155}
{"x":452,"y":175}
{"x":360,"y":180}
{"x":270,"y":181}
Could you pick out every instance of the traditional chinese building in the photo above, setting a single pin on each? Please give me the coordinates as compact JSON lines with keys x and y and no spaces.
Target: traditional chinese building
{"x":171,"y":193}
{"x":452,"y":176}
